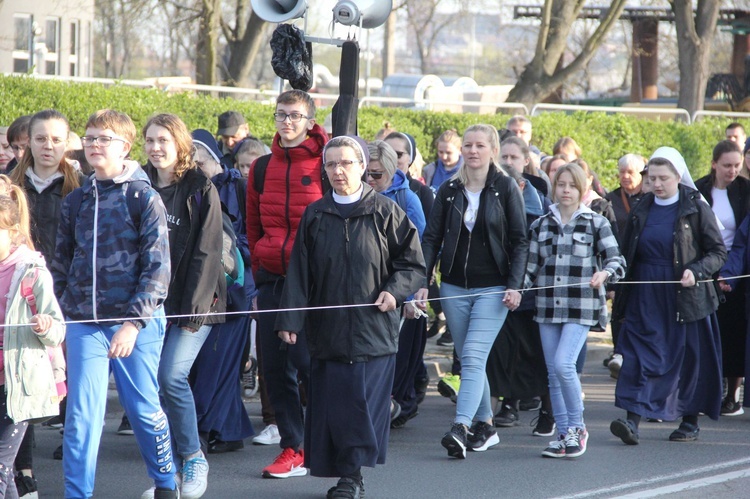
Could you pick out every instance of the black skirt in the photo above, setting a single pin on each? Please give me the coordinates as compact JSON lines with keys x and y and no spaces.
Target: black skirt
{"x":347,"y":422}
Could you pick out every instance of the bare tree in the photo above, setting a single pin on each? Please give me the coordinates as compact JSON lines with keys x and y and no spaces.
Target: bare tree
{"x":205,"y":61}
{"x":542,"y":75}
{"x":117,"y":22}
{"x":244,"y":38}
{"x":695,"y":33}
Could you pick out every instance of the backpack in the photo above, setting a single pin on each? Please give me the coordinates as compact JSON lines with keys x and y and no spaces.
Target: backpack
{"x":132,"y":198}
{"x":259,"y":175}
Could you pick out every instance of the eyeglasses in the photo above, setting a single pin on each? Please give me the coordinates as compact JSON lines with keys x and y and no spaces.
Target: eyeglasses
{"x":42,"y":140}
{"x":344,"y":163}
{"x":375,"y":175}
{"x":294,"y":117}
{"x":102,"y":140}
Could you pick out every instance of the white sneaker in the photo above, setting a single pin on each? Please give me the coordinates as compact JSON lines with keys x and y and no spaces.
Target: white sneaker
{"x":614,"y":366}
{"x":269,"y":436}
{"x":194,"y":478}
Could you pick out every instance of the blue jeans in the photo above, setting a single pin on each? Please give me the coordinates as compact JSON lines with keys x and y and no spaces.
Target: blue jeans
{"x":561,"y":344}
{"x":181,"y":347}
{"x":474,"y":322}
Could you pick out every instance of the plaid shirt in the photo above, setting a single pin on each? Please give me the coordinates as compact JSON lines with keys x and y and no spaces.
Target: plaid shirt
{"x":561,"y":255}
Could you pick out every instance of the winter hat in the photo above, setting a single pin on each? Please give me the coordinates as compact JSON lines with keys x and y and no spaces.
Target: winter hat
{"x":230,"y":122}
{"x":410,"y":141}
{"x":202,"y":137}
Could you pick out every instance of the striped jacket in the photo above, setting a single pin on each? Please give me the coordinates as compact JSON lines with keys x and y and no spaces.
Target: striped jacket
{"x":568,"y":255}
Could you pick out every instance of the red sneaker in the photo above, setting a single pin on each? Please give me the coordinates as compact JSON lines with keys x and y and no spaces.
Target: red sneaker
{"x":288,"y":463}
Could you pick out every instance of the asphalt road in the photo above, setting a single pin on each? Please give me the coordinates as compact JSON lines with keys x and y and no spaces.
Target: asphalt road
{"x":717,"y":465}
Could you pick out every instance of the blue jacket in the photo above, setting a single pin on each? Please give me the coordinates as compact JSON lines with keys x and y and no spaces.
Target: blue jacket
{"x":119,"y":269}
{"x":413,"y":205}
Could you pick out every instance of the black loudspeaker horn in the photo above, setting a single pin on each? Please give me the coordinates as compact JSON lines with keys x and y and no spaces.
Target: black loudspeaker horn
{"x":278,"y":11}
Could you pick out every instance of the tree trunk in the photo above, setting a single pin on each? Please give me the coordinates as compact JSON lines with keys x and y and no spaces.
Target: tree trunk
{"x":205,"y":64}
{"x":244,"y":51}
{"x":389,"y":46}
{"x":695,"y":35}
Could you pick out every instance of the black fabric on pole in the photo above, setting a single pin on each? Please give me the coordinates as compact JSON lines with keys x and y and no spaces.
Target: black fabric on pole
{"x":292,"y":57}
{"x":345,"y":110}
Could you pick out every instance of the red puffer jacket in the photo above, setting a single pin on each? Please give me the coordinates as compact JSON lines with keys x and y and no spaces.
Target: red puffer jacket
{"x":292,"y":181}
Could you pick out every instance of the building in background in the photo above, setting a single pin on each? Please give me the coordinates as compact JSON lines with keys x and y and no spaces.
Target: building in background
{"x":47,"y":37}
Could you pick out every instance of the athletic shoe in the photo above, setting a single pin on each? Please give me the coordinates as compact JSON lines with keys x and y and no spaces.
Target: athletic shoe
{"x":287,"y":464}
{"x":481,"y":437}
{"x":26,"y":486}
{"x":435,"y":328}
{"x":455,"y":441}
{"x":544,"y":424}
{"x":533,"y":404}
{"x":506,"y":417}
{"x":686,"y":432}
{"x":420,"y":388}
{"x":731,"y":408}
{"x":124,"y":428}
{"x":449,"y":385}
{"x":55,"y":422}
{"x":269,"y":436}
{"x":625,"y":430}
{"x":249,"y":380}
{"x":395,"y":410}
{"x":347,"y":488}
{"x":446,"y":340}
{"x":608,"y":358}
{"x":194,"y":477}
{"x":401,"y":420}
{"x":556,"y":448}
{"x":575,"y":442}
{"x":222,"y":446}
{"x":614,"y":366}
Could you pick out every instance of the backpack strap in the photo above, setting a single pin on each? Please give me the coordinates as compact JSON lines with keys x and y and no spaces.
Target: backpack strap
{"x":134,"y":199}
{"x":27,"y":290}
{"x":259,"y":173}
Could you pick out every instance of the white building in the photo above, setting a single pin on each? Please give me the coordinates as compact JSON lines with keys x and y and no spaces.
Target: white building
{"x":49,"y":37}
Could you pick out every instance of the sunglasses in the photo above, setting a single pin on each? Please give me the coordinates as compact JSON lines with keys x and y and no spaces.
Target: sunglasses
{"x":375,"y":175}
{"x":400,"y":153}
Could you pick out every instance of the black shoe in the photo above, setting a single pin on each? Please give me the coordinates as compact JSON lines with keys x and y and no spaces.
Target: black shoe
{"x":544,"y":424}
{"x":506,"y":417}
{"x":57,"y":454}
{"x":55,"y":422}
{"x":533,"y":404}
{"x":435,"y":328}
{"x":625,"y":430}
{"x":160,"y":493}
{"x":25,"y":484}
{"x":446,"y":340}
{"x":222,"y":446}
{"x":420,"y":387}
{"x":124,"y":428}
{"x":347,"y":488}
{"x":481,"y":437}
{"x":455,"y":441}
{"x":686,"y":432}
{"x":729,"y":407}
{"x":401,"y":421}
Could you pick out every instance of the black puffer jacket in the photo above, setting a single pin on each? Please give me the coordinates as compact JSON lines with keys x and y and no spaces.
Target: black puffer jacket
{"x":697,"y":246}
{"x":198,"y":283}
{"x":337,"y":261}
{"x":505,"y":225}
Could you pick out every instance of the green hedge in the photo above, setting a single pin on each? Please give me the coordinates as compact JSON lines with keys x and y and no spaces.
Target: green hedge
{"x":603,"y":138}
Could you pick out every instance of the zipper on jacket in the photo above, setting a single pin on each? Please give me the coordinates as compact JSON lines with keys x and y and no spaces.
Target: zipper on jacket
{"x":466,"y":262}
{"x":349,"y":291}
{"x":93,"y":253}
{"x":286,"y":212}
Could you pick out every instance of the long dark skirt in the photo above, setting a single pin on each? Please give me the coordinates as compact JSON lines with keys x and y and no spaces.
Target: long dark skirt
{"x":411,"y":343}
{"x":733,"y":330}
{"x":347,"y":423}
{"x":215,"y":381}
{"x":515,"y":367}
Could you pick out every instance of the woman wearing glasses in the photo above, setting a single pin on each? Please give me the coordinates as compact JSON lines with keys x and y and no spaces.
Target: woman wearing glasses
{"x":353,"y":247}
{"x":384,"y":177}
{"x":480,"y":224}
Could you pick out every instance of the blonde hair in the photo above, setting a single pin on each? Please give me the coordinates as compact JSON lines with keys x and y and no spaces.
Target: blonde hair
{"x":494,"y":140}
{"x":449,"y":137}
{"x":14,"y":212}
{"x":579,"y":179}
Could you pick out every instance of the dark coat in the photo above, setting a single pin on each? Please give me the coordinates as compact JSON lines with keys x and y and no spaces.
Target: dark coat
{"x":738,"y":193}
{"x":505,"y":225}
{"x":698,"y":246}
{"x":618,"y":206}
{"x":198,"y":284}
{"x":337,"y":261}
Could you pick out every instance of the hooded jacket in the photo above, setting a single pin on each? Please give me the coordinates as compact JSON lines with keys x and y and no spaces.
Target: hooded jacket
{"x":29,"y":375}
{"x":293,"y":180}
{"x":413,"y":207}
{"x":106,"y":266}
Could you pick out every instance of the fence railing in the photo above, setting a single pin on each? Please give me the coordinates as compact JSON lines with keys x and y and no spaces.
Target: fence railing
{"x":637,"y":110}
{"x":723,"y":114}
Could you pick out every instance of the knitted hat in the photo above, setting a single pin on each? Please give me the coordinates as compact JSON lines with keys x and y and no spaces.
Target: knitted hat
{"x":204,"y":138}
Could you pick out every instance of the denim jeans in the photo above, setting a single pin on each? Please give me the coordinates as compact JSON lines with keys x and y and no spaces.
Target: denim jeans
{"x":181,"y":347}
{"x":474,"y":322}
{"x":561,"y":344}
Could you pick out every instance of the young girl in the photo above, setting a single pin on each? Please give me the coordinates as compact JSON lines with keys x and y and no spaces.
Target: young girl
{"x":566,"y":246}
{"x":26,"y":368}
